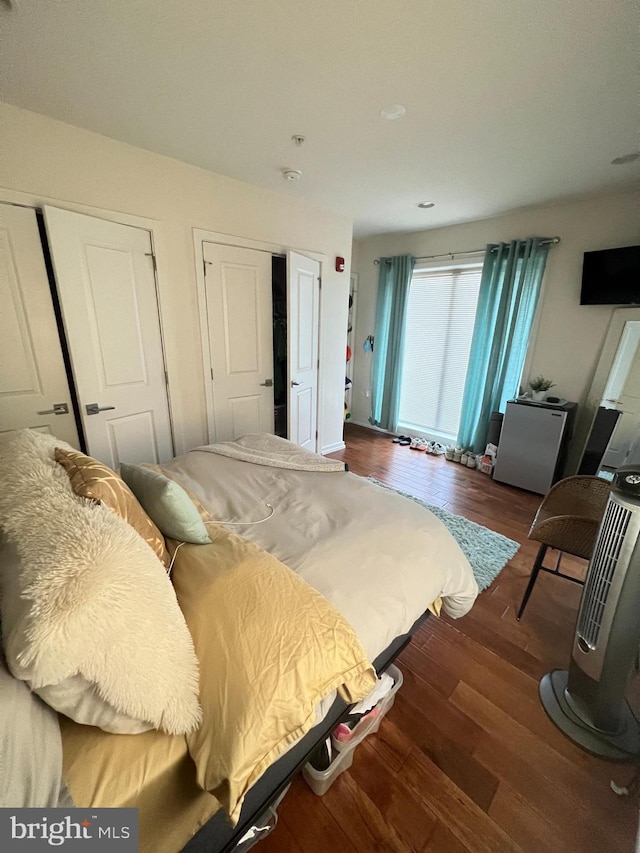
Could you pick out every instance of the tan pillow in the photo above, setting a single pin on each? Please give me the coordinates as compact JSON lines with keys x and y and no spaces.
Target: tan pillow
{"x":93,"y":480}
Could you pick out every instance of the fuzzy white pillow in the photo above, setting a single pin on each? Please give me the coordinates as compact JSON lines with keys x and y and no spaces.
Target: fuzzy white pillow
{"x":89,"y":617}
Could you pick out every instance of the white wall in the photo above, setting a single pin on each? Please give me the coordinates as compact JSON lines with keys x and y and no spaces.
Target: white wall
{"x":47,"y":161}
{"x":569,"y":337}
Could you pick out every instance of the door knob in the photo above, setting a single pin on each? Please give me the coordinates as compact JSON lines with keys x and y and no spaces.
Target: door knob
{"x":267,"y":383}
{"x":295,"y":383}
{"x":58,"y":409}
{"x":94,"y":408}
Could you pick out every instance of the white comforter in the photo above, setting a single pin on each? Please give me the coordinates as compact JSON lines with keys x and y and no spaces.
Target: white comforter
{"x":378,"y":557}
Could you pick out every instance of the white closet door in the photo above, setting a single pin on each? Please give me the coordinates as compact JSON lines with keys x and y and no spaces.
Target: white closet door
{"x":34,"y":391}
{"x":239,"y":315}
{"x":106,"y":284}
{"x":303,"y":300}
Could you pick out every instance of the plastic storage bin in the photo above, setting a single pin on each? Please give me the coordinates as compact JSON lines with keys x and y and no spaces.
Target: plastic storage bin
{"x":321,"y":780}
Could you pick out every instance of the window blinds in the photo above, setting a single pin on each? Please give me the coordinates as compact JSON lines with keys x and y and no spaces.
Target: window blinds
{"x":440,"y":316}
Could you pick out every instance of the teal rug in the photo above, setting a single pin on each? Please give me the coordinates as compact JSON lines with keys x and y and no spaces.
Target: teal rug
{"x":488,"y":552}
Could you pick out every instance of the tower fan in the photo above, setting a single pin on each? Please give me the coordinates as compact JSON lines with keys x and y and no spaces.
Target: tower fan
{"x":588,"y":702}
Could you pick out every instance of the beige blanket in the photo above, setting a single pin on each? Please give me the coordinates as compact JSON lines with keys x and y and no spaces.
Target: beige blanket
{"x":378,"y":557}
{"x":152,"y":772}
{"x":276,"y":452}
{"x":270,"y":648}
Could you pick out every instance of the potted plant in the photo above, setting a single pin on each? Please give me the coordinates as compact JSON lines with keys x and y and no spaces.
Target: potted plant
{"x":539,"y":387}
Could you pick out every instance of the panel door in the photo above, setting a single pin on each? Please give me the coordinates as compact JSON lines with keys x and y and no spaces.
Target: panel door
{"x":106,"y":284}
{"x":622,"y":390}
{"x":303,"y":301}
{"x":239,"y":315}
{"x":34,"y":391}
{"x":630,"y":395}
{"x":623,"y":438}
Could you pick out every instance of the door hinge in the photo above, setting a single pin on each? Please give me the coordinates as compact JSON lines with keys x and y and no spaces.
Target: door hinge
{"x":319,"y":283}
{"x":153,"y":261}
{"x":211,"y":369}
{"x":166,"y":378}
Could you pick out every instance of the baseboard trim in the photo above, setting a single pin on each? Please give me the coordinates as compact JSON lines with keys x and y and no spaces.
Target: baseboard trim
{"x":332,"y":448}
{"x":367,"y":425}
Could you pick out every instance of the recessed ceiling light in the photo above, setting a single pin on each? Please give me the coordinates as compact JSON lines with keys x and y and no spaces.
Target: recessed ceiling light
{"x":393,"y":112}
{"x":426,"y":204}
{"x":626,"y":158}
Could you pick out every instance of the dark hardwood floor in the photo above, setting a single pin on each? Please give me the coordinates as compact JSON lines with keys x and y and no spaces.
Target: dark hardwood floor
{"x":467,"y":760}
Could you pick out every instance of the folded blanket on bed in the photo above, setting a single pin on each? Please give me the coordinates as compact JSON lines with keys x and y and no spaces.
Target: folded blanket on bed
{"x":263,"y":449}
{"x":270,"y":648}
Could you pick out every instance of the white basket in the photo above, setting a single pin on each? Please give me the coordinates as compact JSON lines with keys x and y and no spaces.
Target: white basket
{"x":321,"y":780}
{"x":484,"y":467}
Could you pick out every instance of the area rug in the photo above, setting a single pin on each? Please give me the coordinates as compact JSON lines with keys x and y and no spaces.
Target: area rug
{"x":488,"y":552}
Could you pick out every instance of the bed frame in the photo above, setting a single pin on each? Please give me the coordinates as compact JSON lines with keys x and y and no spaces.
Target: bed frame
{"x":217,"y":835}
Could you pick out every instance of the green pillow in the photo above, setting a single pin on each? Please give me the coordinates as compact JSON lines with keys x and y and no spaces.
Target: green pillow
{"x":167,"y":504}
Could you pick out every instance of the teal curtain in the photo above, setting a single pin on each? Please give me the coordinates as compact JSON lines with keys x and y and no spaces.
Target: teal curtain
{"x":509,"y":289}
{"x":388,"y":342}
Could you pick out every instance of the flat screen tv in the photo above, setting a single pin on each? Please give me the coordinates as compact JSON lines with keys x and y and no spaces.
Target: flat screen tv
{"x":611,"y":277}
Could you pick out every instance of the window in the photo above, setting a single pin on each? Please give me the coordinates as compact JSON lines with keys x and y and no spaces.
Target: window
{"x":441,"y":311}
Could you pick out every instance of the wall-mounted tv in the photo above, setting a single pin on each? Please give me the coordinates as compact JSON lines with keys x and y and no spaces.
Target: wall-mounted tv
{"x":611,"y":277}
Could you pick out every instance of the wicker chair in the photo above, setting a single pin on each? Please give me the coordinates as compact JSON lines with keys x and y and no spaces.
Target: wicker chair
{"x":567,"y":520}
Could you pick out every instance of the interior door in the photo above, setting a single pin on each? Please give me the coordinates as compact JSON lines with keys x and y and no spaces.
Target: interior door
{"x":106,"y":285}
{"x":630,"y":394}
{"x":34,"y":391}
{"x":239,"y":315}
{"x":303,"y":301}
{"x":622,"y":390}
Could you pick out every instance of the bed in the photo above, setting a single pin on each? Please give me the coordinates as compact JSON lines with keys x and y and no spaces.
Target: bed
{"x":306,"y":562}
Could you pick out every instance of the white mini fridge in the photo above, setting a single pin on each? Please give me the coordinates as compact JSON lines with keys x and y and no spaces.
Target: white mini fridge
{"x":533,"y":444}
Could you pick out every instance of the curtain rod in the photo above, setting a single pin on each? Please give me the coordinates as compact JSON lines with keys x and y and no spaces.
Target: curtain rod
{"x":452,"y":255}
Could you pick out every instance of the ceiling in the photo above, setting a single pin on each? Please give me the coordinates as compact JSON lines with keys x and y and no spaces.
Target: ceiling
{"x":508,"y":104}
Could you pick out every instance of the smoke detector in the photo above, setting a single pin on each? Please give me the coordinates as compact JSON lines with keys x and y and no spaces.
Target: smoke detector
{"x":291,"y":174}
